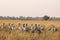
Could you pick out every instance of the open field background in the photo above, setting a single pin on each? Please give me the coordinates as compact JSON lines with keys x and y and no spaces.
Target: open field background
{"x":22,"y":35}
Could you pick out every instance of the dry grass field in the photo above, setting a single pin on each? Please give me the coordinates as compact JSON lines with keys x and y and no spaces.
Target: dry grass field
{"x":22,"y":35}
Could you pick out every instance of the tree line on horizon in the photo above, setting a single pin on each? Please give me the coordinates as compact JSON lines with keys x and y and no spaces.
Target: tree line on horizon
{"x":29,"y":18}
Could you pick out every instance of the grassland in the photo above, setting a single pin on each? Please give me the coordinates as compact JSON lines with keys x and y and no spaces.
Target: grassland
{"x":22,"y":35}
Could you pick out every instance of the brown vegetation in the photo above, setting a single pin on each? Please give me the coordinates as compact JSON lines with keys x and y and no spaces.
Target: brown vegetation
{"x":22,"y":35}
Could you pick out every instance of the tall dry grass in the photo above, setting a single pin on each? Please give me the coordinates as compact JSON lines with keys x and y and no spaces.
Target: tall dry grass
{"x":22,"y":35}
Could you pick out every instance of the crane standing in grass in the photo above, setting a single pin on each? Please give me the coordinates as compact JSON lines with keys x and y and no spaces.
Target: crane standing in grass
{"x":52,"y":28}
